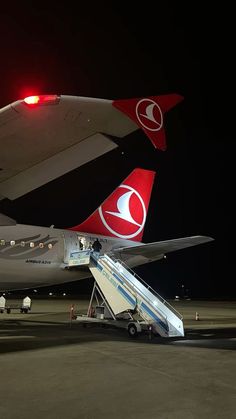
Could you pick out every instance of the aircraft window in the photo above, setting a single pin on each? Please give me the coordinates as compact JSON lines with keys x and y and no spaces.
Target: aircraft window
{"x":12,"y":242}
{"x":22,"y":244}
{"x":50,"y":245}
{"x":2,"y":242}
{"x":31,"y":244}
{"x":41,"y":245}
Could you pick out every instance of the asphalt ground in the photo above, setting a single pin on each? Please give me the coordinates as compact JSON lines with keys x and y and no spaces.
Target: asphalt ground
{"x":53,"y":368}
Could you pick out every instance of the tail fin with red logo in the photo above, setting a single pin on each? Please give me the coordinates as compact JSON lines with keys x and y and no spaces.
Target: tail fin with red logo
{"x":123,"y":213}
{"x":148,"y":114}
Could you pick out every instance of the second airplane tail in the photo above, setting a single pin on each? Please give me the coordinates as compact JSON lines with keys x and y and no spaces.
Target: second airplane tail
{"x":123,"y":213}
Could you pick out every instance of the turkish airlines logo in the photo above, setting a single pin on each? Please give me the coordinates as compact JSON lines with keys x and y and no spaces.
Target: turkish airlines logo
{"x":149,"y":114}
{"x":125,"y":214}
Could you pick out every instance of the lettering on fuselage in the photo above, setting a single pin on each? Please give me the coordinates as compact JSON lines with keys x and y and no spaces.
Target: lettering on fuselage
{"x":45,"y":262}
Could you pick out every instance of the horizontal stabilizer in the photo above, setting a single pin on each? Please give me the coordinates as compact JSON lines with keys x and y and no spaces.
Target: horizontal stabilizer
{"x":155,"y":249}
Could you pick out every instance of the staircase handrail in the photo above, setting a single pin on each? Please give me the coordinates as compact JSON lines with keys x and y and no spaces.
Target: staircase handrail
{"x":168,"y":305}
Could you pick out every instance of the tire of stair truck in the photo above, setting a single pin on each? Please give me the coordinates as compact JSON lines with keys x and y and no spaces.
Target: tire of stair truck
{"x":132,"y":330}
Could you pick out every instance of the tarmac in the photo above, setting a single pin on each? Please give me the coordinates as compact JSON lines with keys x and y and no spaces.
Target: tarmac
{"x":52,"y":367}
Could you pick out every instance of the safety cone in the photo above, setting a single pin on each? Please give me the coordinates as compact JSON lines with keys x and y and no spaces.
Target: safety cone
{"x":150,"y":332}
{"x":197,"y":316}
{"x":72,"y":316}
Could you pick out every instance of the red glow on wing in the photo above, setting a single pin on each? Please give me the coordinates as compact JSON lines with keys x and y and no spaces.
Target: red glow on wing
{"x":42,"y":100}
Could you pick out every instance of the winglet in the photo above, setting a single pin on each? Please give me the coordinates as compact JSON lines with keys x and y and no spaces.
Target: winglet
{"x":148,"y":114}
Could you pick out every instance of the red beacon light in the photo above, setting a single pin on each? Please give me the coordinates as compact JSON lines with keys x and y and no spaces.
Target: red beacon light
{"x":42,"y":100}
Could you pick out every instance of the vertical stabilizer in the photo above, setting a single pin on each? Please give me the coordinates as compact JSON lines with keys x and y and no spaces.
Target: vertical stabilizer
{"x":123,"y":213}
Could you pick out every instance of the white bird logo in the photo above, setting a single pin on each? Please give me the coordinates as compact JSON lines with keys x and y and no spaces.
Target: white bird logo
{"x":157,"y":120}
{"x":124,"y":213}
{"x":123,"y":208}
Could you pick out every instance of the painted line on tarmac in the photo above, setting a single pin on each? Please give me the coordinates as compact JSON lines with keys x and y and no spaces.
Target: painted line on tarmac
{"x":207,"y":334}
{"x":8,"y":330}
{"x":16,"y":337}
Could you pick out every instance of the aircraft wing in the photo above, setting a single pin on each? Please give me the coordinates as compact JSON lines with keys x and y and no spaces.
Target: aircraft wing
{"x":157,"y":250}
{"x":43,"y":137}
{"x":40,"y":142}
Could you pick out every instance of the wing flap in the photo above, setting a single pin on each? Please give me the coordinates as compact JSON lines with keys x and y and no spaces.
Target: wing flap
{"x":55,"y":166}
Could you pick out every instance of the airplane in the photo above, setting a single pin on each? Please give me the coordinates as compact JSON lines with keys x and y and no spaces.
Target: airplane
{"x":43,"y":137}
{"x":32,"y":256}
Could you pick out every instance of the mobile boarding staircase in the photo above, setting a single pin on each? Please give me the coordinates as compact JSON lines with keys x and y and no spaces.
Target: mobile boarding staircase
{"x":124,"y":291}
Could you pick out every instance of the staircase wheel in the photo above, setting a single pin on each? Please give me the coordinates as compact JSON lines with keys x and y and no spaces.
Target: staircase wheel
{"x":132,"y":330}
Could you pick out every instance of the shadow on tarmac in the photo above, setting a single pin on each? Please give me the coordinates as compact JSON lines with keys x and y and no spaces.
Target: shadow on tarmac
{"x":25,"y":335}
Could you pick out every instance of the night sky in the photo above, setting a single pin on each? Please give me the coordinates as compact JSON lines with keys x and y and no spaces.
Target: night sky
{"x":114,"y":51}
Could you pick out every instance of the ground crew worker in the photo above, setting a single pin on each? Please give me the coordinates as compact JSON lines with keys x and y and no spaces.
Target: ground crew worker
{"x":97,"y":246}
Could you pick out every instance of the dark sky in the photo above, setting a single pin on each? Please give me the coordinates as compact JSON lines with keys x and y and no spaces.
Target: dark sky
{"x":111,"y":50}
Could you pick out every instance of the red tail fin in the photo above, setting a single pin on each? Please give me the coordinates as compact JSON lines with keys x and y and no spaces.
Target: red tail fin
{"x":148,"y":114}
{"x":123,"y":213}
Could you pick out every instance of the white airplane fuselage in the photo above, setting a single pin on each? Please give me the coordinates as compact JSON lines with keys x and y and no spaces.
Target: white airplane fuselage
{"x":32,"y":256}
